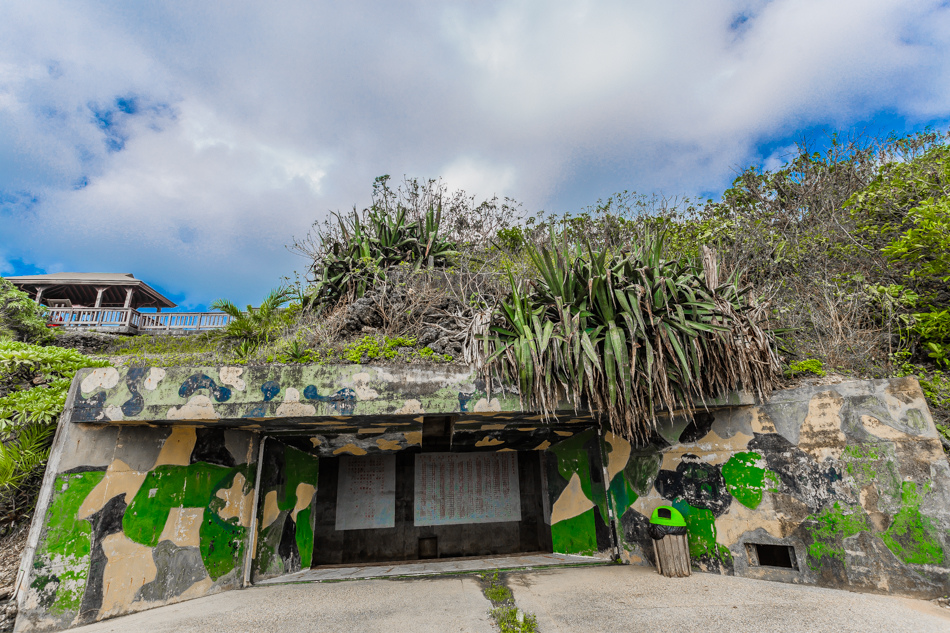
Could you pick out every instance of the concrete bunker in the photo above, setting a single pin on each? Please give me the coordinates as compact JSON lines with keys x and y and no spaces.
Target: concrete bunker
{"x":170,"y":484}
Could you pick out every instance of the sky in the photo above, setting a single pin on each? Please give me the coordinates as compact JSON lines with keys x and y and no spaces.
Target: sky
{"x":188,"y":143}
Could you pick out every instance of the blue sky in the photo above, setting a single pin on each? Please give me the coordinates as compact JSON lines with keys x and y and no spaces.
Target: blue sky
{"x":189,"y":142}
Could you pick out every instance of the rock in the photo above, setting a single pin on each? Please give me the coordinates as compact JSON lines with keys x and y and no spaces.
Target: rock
{"x":428,"y":336}
{"x":86,"y":342}
{"x":362,"y":313}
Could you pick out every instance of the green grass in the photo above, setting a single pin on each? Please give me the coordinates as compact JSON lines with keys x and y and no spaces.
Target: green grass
{"x":514,"y":620}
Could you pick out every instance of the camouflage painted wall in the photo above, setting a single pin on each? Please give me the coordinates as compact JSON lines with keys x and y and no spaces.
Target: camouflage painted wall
{"x":285,"y":517}
{"x":150,"y":495}
{"x":851,"y":476}
{"x":140,"y":517}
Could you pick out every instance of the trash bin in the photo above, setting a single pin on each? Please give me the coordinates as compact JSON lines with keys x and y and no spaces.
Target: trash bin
{"x":668,"y":531}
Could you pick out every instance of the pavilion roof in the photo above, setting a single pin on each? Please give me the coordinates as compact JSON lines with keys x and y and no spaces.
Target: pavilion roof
{"x":79,"y":287}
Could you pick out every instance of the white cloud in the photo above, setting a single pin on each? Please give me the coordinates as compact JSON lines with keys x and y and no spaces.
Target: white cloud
{"x":244,"y":123}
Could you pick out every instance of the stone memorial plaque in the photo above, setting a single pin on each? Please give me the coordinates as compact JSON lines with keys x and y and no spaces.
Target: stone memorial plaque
{"x":458,"y":488}
{"x":366,"y":493}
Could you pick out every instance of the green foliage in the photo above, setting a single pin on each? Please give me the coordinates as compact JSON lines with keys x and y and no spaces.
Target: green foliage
{"x":199,"y":349}
{"x":807,"y":366}
{"x":629,"y":332}
{"x":373,"y":348}
{"x":511,"y":619}
{"x":28,"y":411}
{"x":21,"y":457}
{"x":357,"y":254}
{"x":926,"y":244}
{"x":257,"y":325}
{"x":498,"y":593}
{"x":21,"y":318}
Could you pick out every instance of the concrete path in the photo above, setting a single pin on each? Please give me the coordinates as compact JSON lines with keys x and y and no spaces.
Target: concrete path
{"x":626,"y":599}
{"x":435,"y":567}
{"x":614,"y":599}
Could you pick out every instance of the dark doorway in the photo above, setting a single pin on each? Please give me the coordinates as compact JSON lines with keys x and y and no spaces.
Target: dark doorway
{"x":409,"y":534}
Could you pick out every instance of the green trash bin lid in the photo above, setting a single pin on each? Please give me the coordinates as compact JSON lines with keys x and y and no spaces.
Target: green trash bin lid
{"x":665,"y":515}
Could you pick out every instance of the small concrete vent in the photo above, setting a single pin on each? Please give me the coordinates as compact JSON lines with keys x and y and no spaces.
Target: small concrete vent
{"x":765,"y":555}
{"x":429,"y":547}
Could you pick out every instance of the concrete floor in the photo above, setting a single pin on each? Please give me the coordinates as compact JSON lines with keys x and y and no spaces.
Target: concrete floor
{"x":434,"y":567}
{"x":610,"y":598}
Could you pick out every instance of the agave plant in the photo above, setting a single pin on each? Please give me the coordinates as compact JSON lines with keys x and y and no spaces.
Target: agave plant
{"x":628,"y":334}
{"x":366,"y":245}
{"x":254,"y":325}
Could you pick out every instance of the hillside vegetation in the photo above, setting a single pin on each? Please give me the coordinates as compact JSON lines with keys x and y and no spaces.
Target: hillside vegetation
{"x":836,"y":263}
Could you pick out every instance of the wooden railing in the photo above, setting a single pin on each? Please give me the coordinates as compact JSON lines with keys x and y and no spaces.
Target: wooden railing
{"x":132,"y":319}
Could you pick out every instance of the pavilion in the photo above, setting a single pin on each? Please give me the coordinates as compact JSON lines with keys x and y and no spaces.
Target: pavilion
{"x":91,"y":290}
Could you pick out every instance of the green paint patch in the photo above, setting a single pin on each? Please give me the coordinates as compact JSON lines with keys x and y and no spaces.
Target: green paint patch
{"x":622,"y":493}
{"x":304,"y":536}
{"x":745,"y":479}
{"x":576,"y":535}
{"x":67,"y":543}
{"x":67,"y":535}
{"x":912,"y":535}
{"x":701,"y":532}
{"x":168,"y":487}
{"x":299,"y":468}
{"x":221,"y":544}
{"x":641,"y":470}
{"x":829,"y":528}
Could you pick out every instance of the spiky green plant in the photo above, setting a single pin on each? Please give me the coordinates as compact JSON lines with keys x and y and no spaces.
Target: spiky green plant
{"x":367,"y":244}
{"x":628,"y":334}
{"x":22,"y":456}
{"x":254,"y":325}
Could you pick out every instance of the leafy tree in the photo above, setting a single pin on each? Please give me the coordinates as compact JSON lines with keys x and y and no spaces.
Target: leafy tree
{"x":21,"y":318}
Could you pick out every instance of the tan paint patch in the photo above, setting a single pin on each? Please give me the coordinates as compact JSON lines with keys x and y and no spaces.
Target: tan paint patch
{"x":350,"y":448}
{"x":492,"y":427}
{"x":420,"y":419}
{"x":536,"y":418}
{"x":292,"y":407}
{"x":529,"y":428}
{"x":821,"y":435}
{"x":155,"y":376}
{"x":484,"y":405}
{"x":879,"y":429}
{"x":129,"y":566}
{"x":101,"y":378}
{"x":198,"y":407}
{"x":716,"y":449}
{"x":571,"y":503}
{"x":271,"y":511}
{"x":236,"y":503}
{"x":413,"y":438}
{"x":176,"y":451}
{"x":488,"y":441}
{"x":362,"y":389}
{"x":305,"y":494}
{"x":183,"y":527}
{"x":502,"y":450}
{"x":618,"y":456}
{"x":543,"y":446}
{"x":388,"y":445}
{"x":371,"y":431}
{"x":231,"y":376}
{"x":761,"y":422}
{"x":118,"y":480}
{"x":565,"y":433}
{"x":740,"y":519}
{"x":315,"y":441}
{"x":409,"y":407}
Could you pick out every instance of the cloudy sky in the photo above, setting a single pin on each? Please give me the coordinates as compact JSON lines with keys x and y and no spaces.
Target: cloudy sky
{"x":188,"y":142}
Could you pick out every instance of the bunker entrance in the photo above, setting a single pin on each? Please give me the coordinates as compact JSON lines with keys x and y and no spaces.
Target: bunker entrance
{"x":419,"y":504}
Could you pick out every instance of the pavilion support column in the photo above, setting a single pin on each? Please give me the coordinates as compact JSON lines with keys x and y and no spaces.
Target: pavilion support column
{"x":99,"y":291}
{"x":128,"y":297}
{"x":39,"y":293}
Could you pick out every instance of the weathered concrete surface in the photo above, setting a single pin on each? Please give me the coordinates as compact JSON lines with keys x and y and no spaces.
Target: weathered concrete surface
{"x":440,"y":605}
{"x":608,"y":599}
{"x":630,"y":598}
